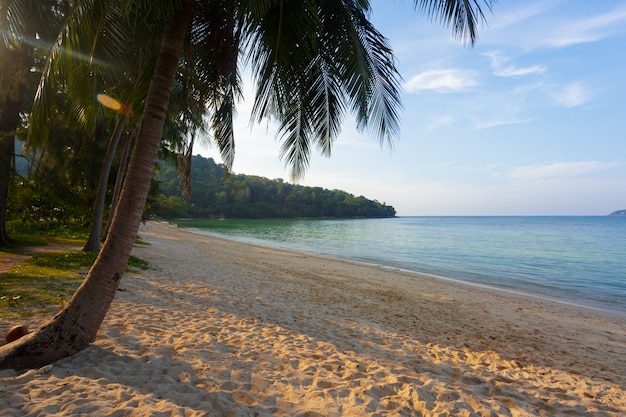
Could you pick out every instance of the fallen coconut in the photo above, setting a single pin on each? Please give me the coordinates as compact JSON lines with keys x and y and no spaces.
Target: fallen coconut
{"x":15,"y":333}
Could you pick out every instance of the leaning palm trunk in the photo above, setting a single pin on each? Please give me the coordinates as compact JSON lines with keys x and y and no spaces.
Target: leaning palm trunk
{"x":93,"y":242}
{"x":75,"y":327}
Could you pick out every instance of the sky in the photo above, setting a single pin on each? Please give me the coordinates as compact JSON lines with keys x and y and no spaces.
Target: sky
{"x":531,"y":120}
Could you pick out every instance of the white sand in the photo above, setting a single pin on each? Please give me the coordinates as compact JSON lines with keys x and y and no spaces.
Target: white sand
{"x":227,"y":329}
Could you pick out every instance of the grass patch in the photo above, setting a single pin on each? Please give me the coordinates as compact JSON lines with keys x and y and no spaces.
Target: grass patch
{"x":21,"y":241}
{"x":135,"y":263}
{"x":140,"y":241}
{"x":43,"y":283}
{"x":26,"y":240}
{"x":63,"y":263}
{"x":67,"y":233}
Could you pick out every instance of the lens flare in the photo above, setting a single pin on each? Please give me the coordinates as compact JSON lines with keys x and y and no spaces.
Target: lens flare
{"x":109,"y":102}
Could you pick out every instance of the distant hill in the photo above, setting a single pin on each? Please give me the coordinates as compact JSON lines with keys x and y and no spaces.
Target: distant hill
{"x":618,"y":213}
{"x":215,"y":194}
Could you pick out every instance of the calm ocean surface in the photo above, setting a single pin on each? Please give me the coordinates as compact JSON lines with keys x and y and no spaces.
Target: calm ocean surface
{"x":580,"y":260}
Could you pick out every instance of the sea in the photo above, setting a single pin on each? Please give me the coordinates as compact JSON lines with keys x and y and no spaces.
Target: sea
{"x":575,"y":260}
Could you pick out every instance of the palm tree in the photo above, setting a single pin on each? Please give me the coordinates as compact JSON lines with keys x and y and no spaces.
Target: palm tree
{"x":313,"y":61}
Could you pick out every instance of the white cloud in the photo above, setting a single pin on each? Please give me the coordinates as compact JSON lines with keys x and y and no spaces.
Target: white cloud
{"x":588,"y":30}
{"x":572,"y":95}
{"x":553,"y":25}
{"x":499,"y":122}
{"x":524,"y":11}
{"x":502,"y":68}
{"x":512,"y":71}
{"x":443,"y":81}
{"x":560,"y":169}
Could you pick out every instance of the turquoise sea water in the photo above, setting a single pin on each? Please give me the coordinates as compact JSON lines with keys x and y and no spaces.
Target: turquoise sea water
{"x":579,"y":260}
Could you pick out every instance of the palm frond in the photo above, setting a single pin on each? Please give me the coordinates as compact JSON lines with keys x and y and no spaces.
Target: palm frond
{"x":93,"y":54}
{"x":462,"y":15}
{"x":215,"y":39}
{"x":14,"y":15}
{"x":295,"y":147}
{"x":382,"y":85}
{"x":332,"y":60}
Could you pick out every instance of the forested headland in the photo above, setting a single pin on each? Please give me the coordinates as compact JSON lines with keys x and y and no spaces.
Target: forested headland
{"x":215,"y":193}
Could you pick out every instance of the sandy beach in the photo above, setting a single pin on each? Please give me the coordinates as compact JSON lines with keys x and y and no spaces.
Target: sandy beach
{"x":220,"y":328}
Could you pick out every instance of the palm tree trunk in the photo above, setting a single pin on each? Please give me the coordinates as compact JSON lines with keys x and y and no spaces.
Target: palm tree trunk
{"x":93,"y":242}
{"x":119,"y":180}
{"x":18,"y":62}
{"x":7,"y":144}
{"x":75,"y":327}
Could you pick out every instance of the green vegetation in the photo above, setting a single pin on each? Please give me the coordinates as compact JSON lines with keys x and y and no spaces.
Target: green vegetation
{"x":215,"y":194}
{"x":135,"y":263}
{"x":52,"y":204}
{"x":41,"y":234}
{"x":22,"y":239}
{"x":26,"y":236}
{"x":42,"y":283}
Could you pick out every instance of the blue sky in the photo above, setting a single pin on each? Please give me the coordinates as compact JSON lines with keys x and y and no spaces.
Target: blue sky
{"x":530,"y":121}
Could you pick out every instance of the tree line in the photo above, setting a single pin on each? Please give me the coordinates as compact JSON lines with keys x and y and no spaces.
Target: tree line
{"x":216,"y":193}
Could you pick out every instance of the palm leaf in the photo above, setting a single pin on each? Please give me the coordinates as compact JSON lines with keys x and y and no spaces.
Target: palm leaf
{"x":462,"y":15}
{"x":309,"y":72}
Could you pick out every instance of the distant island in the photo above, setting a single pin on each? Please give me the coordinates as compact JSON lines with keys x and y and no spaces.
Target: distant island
{"x":217,"y":194}
{"x":618,"y":213}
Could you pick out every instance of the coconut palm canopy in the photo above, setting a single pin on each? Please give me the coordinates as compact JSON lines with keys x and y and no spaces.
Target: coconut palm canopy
{"x":313,"y":62}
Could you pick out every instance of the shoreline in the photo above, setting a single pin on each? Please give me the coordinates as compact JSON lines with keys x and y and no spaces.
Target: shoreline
{"x":510,"y":290}
{"x":227,"y":328}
